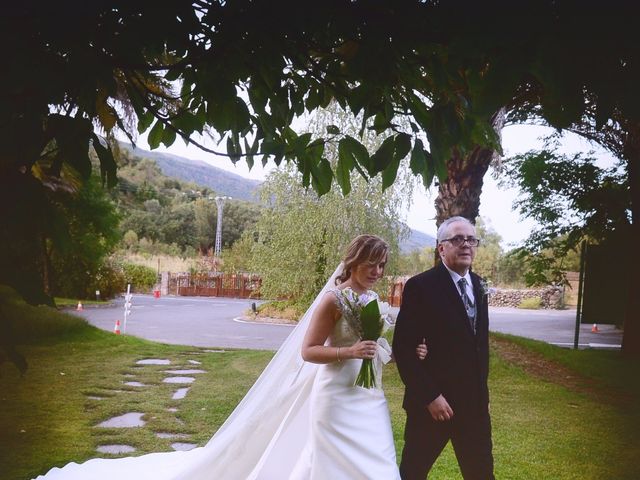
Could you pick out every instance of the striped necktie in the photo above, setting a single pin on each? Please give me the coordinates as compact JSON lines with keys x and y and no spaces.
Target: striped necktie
{"x":469,"y":306}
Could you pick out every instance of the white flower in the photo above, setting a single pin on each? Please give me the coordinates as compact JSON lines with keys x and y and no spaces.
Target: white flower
{"x":364,"y":299}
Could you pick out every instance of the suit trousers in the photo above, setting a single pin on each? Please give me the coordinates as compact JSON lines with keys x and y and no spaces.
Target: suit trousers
{"x":425,"y":439}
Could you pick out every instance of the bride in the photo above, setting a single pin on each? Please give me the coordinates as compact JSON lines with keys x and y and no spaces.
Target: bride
{"x":303,"y":418}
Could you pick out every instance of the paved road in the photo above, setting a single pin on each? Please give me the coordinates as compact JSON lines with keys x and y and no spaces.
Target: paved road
{"x":197,"y":321}
{"x":216,"y":322}
{"x":552,"y":326}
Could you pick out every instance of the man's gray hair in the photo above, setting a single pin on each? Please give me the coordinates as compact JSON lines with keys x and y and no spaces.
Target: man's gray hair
{"x":444,"y":226}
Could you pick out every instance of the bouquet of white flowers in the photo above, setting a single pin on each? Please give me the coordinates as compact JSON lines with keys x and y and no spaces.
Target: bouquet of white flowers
{"x":372,"y":324}
{"x":368,"y":316}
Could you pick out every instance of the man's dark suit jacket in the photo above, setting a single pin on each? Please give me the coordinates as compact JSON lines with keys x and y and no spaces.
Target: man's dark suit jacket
{"x":457,"y":362}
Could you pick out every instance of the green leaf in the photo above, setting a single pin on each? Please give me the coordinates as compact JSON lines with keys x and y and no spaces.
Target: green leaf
{"x":188,"y":123}
{"x":418,"y":162}
{"x":358,"y":152}
{"x":172,"y":74}
{"x":380,"y":123}
{"x":419,"y":111}
{"x":402,"y":145}
{"x":108,"y":166}
{"x":333,"y":130}
{"x":233,"y":147}
{"x":168,"y":137}
{"x":438,"y":166}
{"x":155,"y":135}
{"x":358,"y":98}
{"x":346,"y":163}
{"x":421,"y":163}
{"x":249,"y":156}
{"x":383,"y":157}
{"x":389,"y":174}
{"x":144,"y":121}
{"x":322,"y":175}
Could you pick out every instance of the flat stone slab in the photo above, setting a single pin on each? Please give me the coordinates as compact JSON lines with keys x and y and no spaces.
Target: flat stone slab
{"x":93,"y":397}
{"x":215,"y":351}
{"x":135,"y":384}
{"x":172,"y":435}
{"x":195,"y":362}
{"x":154,"y":361}
{"x":180,"y":394}
{"x":178,"y":380}
{"x":185,"y":372}
{"x":128,"y":420}
{"x":183,"y":447}
{"x":172,"y":409}
{"x":115,"y":449}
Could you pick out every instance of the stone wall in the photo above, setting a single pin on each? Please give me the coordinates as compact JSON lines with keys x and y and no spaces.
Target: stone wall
{"x":550,"y":297}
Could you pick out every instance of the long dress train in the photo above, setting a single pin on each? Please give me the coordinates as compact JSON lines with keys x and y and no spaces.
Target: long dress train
{"x":298,"y":421}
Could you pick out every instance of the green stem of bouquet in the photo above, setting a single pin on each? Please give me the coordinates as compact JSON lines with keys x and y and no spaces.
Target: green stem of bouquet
{"x":366,"y":377}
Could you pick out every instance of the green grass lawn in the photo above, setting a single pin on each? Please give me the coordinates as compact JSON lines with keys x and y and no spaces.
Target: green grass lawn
{"x":587,"y":427}
{"x":73,"y":302}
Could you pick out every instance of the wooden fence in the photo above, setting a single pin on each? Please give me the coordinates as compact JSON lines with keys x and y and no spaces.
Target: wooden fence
{"x":240,"y":285}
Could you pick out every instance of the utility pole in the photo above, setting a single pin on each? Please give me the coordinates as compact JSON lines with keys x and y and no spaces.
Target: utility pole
{"x":218,"y":245}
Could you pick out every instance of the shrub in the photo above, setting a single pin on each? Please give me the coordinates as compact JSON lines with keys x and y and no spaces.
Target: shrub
{"x":287,"y":309}
{"x":140,"y":277}
{"x":531,"y":303}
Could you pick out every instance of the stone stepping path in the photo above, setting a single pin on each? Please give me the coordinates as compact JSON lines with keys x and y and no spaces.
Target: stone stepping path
{"x":115,"y":449}
{"x":180,"y":394}
{"x":185,"y":372}
{"x":136,"y":384}
{"x":179,"y":380}
{"x":134,"y":419}
{"x":153,"y":361}
{"x":183,"y":447}
{"x":172,"y":435}
{"x":128,"y":420}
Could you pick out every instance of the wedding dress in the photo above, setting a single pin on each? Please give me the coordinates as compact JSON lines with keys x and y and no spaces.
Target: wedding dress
{"x":299,"y":421}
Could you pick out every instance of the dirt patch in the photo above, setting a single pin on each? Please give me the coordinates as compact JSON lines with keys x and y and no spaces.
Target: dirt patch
{"x":536,"y":365}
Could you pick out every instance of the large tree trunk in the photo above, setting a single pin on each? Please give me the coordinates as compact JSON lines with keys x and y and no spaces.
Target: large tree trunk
{"x":631,"y":336}
{"x":460,"y":193}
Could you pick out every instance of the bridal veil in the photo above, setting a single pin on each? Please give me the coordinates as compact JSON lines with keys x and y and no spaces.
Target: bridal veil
{"x":261,"y":440}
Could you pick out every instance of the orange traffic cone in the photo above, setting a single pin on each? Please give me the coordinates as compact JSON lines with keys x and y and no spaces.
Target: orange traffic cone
{"x":79,"y":307}
{"x":116,"y":329}
{"x":594,"y":329}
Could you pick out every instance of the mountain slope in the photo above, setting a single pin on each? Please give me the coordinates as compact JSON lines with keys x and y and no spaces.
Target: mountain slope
{"x":417,"y":241}
{"x":236,"y":186}
{"x":197,"y":171}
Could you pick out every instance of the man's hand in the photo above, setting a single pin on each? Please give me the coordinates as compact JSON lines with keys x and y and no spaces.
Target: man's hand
{"x":440,"y":410}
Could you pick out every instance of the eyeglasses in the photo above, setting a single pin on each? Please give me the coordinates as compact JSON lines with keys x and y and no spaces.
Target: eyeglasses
{"x":459,"y":240}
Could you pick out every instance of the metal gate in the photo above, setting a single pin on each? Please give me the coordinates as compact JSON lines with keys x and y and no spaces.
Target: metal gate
{"x":236,"y":285}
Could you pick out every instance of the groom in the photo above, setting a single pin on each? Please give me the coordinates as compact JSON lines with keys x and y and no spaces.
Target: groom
{"x":446,"y":394}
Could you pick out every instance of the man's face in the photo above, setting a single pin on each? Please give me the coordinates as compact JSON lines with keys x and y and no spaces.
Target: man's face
{"x":459,"y":258}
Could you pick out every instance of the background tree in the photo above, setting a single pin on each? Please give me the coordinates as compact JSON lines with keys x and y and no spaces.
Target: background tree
{"x":489,"y":252}
{"x":416,"y":261}
{"x":189,"y":66}
{"x":301,"y":237}
{"x":571,"y":198}
{"x":92,"y":222}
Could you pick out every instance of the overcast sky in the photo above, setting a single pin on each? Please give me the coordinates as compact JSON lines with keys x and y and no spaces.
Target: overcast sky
{"x":496,"y":204}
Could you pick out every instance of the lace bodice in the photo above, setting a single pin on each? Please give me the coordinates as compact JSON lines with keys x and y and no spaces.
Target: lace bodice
{"x":347,"y":329}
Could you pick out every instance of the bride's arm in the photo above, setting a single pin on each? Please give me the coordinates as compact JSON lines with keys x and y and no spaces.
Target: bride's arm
{"x":324,"y":319}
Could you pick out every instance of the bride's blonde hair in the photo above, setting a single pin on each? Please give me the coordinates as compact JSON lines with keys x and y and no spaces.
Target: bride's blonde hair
{"x":362,"y":249}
